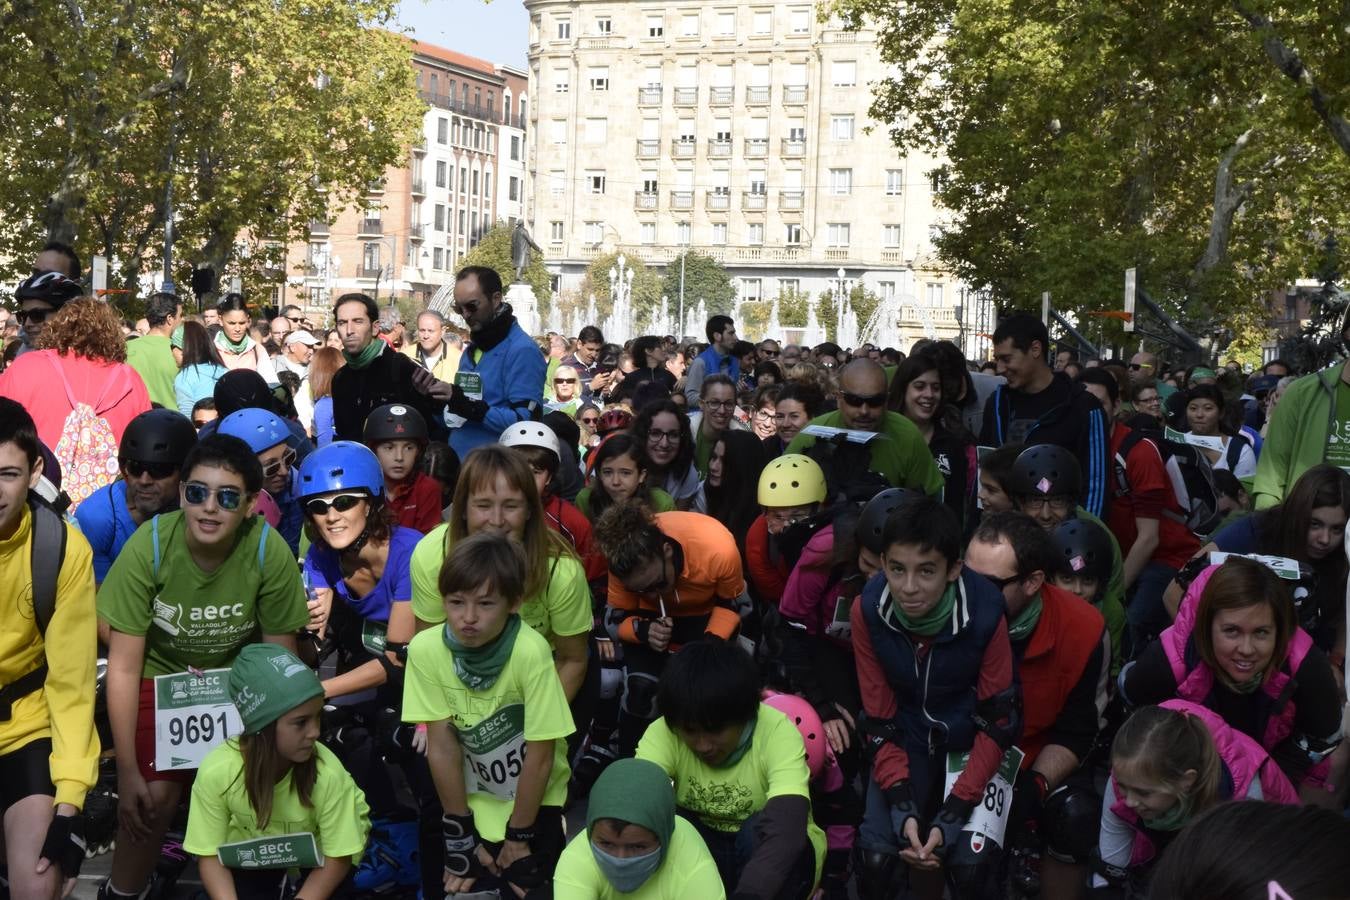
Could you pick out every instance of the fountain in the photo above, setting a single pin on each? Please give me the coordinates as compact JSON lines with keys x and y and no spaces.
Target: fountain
{"x":774,"y":330}
{"x":618,"y":327}
{"x":555,"y":315}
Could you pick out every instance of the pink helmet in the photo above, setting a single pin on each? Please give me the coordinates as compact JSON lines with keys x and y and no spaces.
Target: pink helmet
{"x":801,"y":714}
{"x":268,"y":509}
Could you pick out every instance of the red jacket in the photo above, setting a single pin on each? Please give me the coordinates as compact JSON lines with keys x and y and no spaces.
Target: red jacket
{"x":769,"y":577}
{"x":1149,"y":496}
{"x":1055,"y":660}
{"x":114,"y":390}
{"x":564,"y":518}
{"x":416,"y":503}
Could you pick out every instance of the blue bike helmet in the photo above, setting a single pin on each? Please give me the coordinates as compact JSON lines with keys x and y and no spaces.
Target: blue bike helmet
{"x":341,"y":466}
{"x":258,"y":428}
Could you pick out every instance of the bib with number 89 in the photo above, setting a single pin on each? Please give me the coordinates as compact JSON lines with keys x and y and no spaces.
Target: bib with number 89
{"x":990,"y":817}
{"x":193,"y":716}
{"x":494,"y":753}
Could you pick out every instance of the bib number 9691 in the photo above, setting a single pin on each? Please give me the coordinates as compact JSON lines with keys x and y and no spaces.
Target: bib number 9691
{"x":193,"y":715}
{"x":196,"y":729}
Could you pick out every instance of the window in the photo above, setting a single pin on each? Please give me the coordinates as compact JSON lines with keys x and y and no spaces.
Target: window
{"x":894,"y":182}
{"x":752,"y":289}
{"x":653,"y":77}
{"x":555,"y":232}
{"x":595,"y":233}
{"x":796,"y":131}
{"x":648,"y":232}
{"x":513,"y":188}
{"x":487,"y":185}
{"x":937,"y":181}
{"x":689,"y":25}
{"x":463,"y":222}
{"x":758,"y":184}
{"x":442,"y":130}
{"x":890,"y":236}
{"x":722,"y":130}
{"x":599,"y":78}
{"x":933,"y":293}
{"x":684,"y":130}
{"x":433,"y":81}
{"x":557,"y":182}
{"x":719,"y":234}
{"x":558,"y":131}
{"x":789,"y":286}
{"x":463,"y":179}
{"x":682,"y":233}
{"x":454,"y":132}
{"x":596,"y":131}
{"x":441,"y":169}
{"x":799,"y":21}
{"x":595,"y":181}
{"x":474,"y":189}
{"x":438,"y":258}
{"x":562,"y":81}
{"x":838,"y":234}
{"x":793,"y":237}
{"x":564,"y":29}
{"x":886,"y":290}
{"x":370,"y":257}
{"x":650,"y":184}
{"x":604,"y":25}
{"x":763,"y":22}
{"x":515,"y":148}
{"x":841,"y":182}
{"x":439,"y":217}
{"x":656,"y":26}
{"x":726,"y":24}
{"x":841,"y":128}
{"x":843,"y":73}
{"x":755,"y":234}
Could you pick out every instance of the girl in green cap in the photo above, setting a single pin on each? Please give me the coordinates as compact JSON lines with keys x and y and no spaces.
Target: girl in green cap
{"x":634,"y":845}
{"x":274,"y":799}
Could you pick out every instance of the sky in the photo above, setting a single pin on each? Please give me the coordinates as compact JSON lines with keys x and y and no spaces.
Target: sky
{"x":498,"y":31}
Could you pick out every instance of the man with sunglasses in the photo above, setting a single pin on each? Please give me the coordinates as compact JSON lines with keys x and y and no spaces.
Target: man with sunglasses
{"x":898,"y":454}
{"x":39,"y":297}
{"x":151,"y":453}
{"x":267,"y":435}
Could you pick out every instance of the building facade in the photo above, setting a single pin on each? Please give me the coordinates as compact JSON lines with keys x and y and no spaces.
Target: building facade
{"x":737,"y":129}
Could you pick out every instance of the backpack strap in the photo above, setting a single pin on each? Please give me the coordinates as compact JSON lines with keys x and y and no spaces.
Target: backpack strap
{"x":1233,"y":455}
{"x":1128,"y":443}
{"x":262,"y":543}
{"x":48,"y":552}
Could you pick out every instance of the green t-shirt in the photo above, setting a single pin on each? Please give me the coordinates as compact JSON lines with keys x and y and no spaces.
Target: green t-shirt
{"x":221,"y":812}
{"x":563,"y":611}
{"x":525,"y":703}
{"x":661,"y":502}
{"x":899,"y":452}
{"x":774,"y":766}
{"x":1338,"y":437}
{"x":152,"y":358}
{"x":687,"y":871}
{"x":202,"y":619}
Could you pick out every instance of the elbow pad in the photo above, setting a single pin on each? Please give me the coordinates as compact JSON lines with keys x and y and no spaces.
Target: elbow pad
{"x":1000,"y":717}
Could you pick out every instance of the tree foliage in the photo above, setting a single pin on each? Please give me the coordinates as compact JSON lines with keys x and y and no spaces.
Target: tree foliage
{"x":704,"y":279}
{"x":494,"y":251}
{"x":1187,"y":138}
{"x":792,"y":311}
{"x":262,"y":116}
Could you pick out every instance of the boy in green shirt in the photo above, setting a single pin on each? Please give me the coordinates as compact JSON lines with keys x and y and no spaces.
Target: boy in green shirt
{"x":496,"y":716}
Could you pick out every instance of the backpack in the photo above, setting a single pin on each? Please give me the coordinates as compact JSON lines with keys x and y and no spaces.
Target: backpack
{"x":847,"y":469}
{"x":47,"y":549}
{"x":87,"y":451}
{"x":1189,"y":471}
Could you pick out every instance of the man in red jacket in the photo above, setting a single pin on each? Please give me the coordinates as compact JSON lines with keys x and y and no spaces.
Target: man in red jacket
{"x":1064,"y":656}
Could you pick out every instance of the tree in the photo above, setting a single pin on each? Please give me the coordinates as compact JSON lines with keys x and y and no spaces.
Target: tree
{"x":646,"y":285}
{"x":704,"y":279}
{"x":1082,"y":139}
{"x":494,"y":251}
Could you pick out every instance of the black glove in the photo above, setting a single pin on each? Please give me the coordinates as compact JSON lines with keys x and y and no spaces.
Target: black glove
{"x":1029,"y":797}
{"x":461,"y":846}
{"x":461,"y":405}
{"x":901,"y":797}
{"x":951,"y":818}
{"x":529,"y":872}
{"x":64,"y":846}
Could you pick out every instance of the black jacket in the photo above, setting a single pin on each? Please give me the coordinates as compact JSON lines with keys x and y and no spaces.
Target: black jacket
{"x":356,"y":392}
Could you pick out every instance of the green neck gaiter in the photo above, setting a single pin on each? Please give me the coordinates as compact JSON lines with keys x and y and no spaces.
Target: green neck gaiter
{"x":223,"y":341}
{"x":1246,"y":687}
{"x":926,"y":625}
{"x":742,"y":746}
{"x":366,"y":356}
{"x":1024,"y":623}
{"x":1174,"y":819}
{"x":478,"y":667}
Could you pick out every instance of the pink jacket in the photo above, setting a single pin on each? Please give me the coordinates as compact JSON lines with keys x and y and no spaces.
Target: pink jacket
{"x":810,"y":595}
{"x":114,"y":390}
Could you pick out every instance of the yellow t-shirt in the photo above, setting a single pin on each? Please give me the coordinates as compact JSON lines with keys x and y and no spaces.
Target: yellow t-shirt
{"x":688,"y":871}
{"x":221,"y":812}
{"x":525,"y":703}
{"x":564,"y":609}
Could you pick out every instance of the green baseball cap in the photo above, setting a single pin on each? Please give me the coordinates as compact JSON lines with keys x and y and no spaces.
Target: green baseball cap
{"x":266,"y":682}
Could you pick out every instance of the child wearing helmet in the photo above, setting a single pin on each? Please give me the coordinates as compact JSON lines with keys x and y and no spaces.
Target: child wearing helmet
{"x":268,"y":436}
{"x":542,"y":450}
{"x":274,"y":780}
{"x":188,"y":592}
{"x":1083,"y":559}
{"x":791,"y":490}
{"x":398,"y":435}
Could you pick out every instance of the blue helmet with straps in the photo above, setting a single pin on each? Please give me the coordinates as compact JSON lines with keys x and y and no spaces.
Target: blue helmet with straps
{"x":341,"y":466}
{"x":259,"y":428}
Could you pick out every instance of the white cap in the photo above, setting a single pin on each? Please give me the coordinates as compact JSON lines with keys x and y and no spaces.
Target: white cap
{"x":301,"y":337}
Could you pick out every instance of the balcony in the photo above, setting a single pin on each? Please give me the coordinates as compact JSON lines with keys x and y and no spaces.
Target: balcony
{"x":645,"y":199}
{"x":370,"y":226}
{"x":837,"y":253}
{"x":649,"y":96}
{"x":417,"y":232}
{"x":419,"y":187}
{"x":756,"y":148}
{"x":682,"y":148}
{"x":791,"y":201}
{"x":318,"y":227}
{"x":793,"y":147}
{"x":893,"y":256}
{"x":757,"y":95}
{"x":753,"y":201}
{"x":363,"y":272}
{"x":686,"y":96}
{"x":794,"y":94}
{"x":648,"y":149}
{"x":311,"y":270}
{"x":717,"y":201}
{"x":681,"y":199}
{"x":420,"y":145}
{"x":375,"y":186}
{"x":719,"y":148}
{"x":721,"y":96}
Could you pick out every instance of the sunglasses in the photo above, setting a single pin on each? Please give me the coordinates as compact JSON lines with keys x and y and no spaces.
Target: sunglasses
{"x":564,"y":381}
{"x":276,"y":465}
{"x":590,"y":420}
{"x":35,"y":316}
{"x":1135,"y":367}
{"x":1002,"y":583}
{"x":228,"y":498}
{"x":135,"y":469}
{"x":769,"y":353}
{"x":342,"y":503}
{"x":876,"y":400}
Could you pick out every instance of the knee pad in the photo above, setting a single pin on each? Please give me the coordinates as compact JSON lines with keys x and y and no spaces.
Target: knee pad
{"x":639,"y":696}
{"x":611,"y":683}
{"x":876,"y":873}
{"x":1070,"y":822}
{"x":972,"y":882}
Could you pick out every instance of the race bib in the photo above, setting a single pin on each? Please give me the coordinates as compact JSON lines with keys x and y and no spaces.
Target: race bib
{"x":471,"y":383}
{"x":840,"y":626}
{"x":1282,"y":566}
{"x":989,"y":821}
{"x":281,"y":851}
{"x":494,"y":753}
{"x":373,"y":636}
{"x":193,"y":716}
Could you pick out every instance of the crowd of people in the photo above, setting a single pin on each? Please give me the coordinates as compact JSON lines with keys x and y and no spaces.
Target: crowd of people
{"x":483,"y":614}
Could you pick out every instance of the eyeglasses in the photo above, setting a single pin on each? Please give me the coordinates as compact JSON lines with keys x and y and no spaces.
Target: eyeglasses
{"x":1056,"y":504}
{"x":1148,"y":401}
{"x":765,"y":415}
{"x":276,"y":465}
{"x":342,"y":503}
{"x":1002,"y":583}
{"x":35,"y":316}
{"x":135,"y":469}
{"x":564,"y":381}
{"x":720,"y":404}
{"x":875,"y":400}
{"x":228,"y":498}
{"x":663,"y":437}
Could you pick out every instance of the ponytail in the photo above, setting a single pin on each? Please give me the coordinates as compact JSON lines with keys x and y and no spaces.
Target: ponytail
{"x":1162,"y":745}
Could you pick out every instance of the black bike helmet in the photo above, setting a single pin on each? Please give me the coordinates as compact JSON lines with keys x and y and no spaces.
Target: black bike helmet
{"x":1045,"y":470}
{"x":1083,"y":548}
{"x":158,"y":436}
{"x":872,"y":520}
{"x":395,"y":422}
{"x":51,"y":288}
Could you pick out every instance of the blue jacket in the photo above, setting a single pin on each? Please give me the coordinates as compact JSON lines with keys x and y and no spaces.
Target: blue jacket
{"x":195,"y":383}
{"x":106,"y":523}
{"x":712,"y":364}
{"x":513,"y":387}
